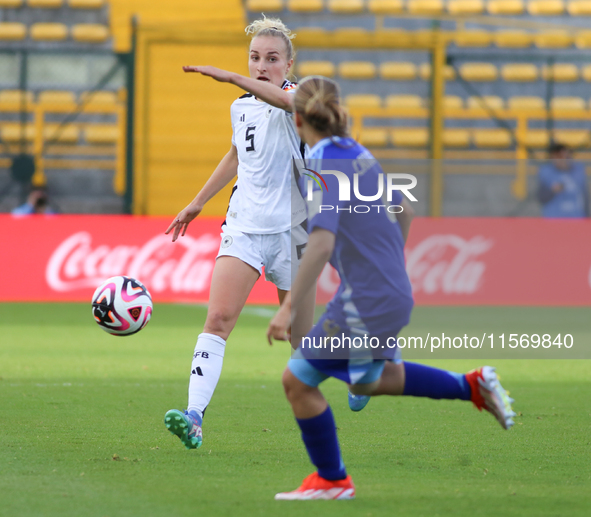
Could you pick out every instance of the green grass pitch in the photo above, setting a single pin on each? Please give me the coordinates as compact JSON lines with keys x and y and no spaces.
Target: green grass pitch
{"x":82,"y":433}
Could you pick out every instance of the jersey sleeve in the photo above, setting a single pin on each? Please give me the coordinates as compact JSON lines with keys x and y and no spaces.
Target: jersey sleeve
{"x":397,"y":197}
{"x":232,"y":122}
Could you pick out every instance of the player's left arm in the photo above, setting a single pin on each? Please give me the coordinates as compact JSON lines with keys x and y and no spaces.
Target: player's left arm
{"x":267,"y":92}
{"x":318,"y":252}
{"x":405,"y":217}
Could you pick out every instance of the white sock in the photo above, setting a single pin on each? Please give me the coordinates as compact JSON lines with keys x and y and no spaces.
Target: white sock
{"x":206,"y":369}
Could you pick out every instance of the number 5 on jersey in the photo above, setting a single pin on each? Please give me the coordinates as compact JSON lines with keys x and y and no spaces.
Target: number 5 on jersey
{"x":250,"y":138}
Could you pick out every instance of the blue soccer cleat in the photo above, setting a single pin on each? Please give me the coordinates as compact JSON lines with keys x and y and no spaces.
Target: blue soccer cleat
{"x":358,"y":402}
{"x":186,"y":426}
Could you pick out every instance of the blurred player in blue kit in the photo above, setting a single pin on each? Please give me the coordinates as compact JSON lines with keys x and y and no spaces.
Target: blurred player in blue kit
{"x":373,"y":300}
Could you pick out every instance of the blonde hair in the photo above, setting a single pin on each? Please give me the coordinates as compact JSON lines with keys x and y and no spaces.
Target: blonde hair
{"x":317,"y":101}
{"x":272,"y":27}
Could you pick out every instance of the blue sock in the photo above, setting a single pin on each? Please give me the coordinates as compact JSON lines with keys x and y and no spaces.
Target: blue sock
{"x":424,"y":381}
{"x":320,"y":437}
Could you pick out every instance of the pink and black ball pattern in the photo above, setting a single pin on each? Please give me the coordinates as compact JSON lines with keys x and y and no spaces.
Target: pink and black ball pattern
{"x":121,"y":306}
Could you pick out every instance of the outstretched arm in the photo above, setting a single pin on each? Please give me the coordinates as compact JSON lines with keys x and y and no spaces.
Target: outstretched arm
{"x":265,"y":91}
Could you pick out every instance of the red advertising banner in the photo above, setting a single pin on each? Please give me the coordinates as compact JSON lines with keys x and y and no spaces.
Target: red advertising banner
{"x":449,"y":260}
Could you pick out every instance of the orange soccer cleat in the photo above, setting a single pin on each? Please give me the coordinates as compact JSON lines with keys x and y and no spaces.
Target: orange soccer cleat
{"x":315,"y":487}
{"x":487,"y":393}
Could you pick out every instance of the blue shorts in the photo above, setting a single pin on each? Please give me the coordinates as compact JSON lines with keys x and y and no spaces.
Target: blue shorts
{"x":343,"y":369}
{"x":353,"y":366}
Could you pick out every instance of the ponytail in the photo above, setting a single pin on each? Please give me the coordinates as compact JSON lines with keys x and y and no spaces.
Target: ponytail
{"x":317,"y":101}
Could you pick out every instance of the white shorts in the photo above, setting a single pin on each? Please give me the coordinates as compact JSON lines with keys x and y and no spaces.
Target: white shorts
{"x":274,"y":251}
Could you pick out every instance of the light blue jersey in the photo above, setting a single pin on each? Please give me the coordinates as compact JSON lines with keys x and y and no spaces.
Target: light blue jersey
{"x":374,"y":297}
{"x":573,"y":200}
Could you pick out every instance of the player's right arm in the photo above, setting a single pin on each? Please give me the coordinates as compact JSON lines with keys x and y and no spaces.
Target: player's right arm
{"x":222,"y":175}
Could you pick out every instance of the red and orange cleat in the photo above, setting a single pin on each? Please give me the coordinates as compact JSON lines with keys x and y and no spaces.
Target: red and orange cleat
{"x":487,"y":393}
{"x":315,"y":487}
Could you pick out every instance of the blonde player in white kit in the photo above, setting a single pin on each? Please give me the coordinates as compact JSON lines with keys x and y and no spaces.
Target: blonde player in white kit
{"x":265,"y":217}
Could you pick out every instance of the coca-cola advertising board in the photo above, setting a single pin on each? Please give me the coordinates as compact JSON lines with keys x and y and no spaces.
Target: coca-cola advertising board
{"x":449,"y":260}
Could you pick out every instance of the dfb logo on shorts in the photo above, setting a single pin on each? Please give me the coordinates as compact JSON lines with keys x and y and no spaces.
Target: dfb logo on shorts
{"x":227,"y":241}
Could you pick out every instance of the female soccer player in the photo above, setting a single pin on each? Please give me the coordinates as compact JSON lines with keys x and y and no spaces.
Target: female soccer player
{"x":372,"y":304}
{"x":262,"y":226}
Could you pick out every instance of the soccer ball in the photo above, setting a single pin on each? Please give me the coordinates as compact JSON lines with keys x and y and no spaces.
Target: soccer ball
{"x":121,"y":306}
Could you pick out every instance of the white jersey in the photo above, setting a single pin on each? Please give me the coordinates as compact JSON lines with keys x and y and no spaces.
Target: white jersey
{"x":265,"y":198}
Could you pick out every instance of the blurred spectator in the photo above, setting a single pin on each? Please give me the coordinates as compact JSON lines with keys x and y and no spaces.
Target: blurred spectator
{"x":562,"y":185}
{"x":37,"y":203}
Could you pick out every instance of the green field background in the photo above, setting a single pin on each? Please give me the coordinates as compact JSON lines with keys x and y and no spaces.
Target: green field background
{"x":82,"y":433}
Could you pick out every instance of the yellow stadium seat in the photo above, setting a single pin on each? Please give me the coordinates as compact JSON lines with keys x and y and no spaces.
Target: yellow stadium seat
{"x":478,"y":72}
{"x":65,"y":135}
{"x":305,"y":6}
{"x":399,"y":71}
{"x":572,"y":137}
{"x":371,"y":137}
{"x":15,"y":97}
{"x":583,"y":39}
{"x":568,"y":104}
{"x":520,"y":72}
{"x":456,"y":138}
{"x":511,"y":7}
{"x":357,"y":70}
{"x":513,"y":39}
{"x":491,"y":138}
{"x":86,"y":4}
{"x":311,"y":36}
{"x":13,"y":132}
{"x":545,"y":7}
{"x":410,"y":137}
{"x":586,"y":73}
{"x":579,"y":7}
{"x":465,"y":7}
{"x":553,"y":39}
{"x":538,"y":138}
{"x":49,"y":31}
{"x":345,"y":6}
{"x":269,"y":6}
{"x":425,"y":6}
{"x":90,"y":33}
{"x":404,"y":101}
{"x":11,"y":4}
{"x":422,"y":37}
{"x":453,"y":102}
{"x":101,"y":134}
{"x":526,"y":103}
{"x":45,"y":4}
{"x":473,"y":38}
{"x":449,"y":72}
{"x":102,"y":98}
{"x":385,"y":6}
{"x":12,"y":31}
{"x":325,"y":68}
{"x":350,"y":37}
{"x":561,"y":72}
{"x":363,"y":100}
{"x":56,"y":97}
{"x":398,"y":37}
{"x":492,"y":102}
